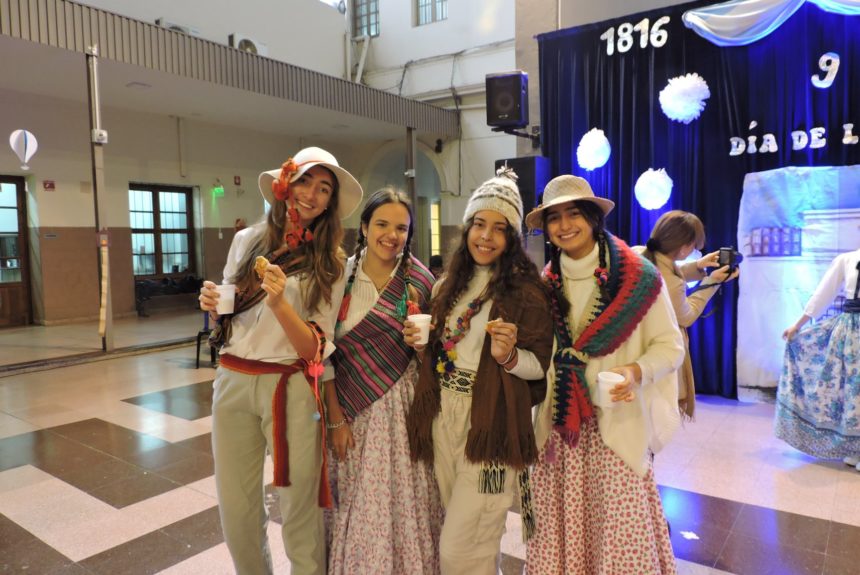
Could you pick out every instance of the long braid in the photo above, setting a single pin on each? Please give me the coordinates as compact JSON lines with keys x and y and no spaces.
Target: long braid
{"x":603,"y":286}
{"x":561,"y":298}
{"x":347,"y":292}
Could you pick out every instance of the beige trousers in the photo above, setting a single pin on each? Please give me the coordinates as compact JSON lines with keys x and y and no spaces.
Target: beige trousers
{"x":241,"y":435}
{"x":474,"y":522}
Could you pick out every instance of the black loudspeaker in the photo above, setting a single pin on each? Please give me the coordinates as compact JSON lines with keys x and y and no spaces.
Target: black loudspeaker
{"x":532,"y":177}
{"x":508,"y":100}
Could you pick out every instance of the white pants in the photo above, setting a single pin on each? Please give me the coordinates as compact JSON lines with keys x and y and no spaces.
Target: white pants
{"x":474,"y":522}
{"x":241,"y":434}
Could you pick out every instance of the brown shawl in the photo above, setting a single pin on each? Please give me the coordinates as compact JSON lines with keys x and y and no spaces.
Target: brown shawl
{"x":501,"y":429}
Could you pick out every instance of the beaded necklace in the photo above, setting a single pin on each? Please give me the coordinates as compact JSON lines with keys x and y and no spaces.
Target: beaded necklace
{"x":450,"y":339}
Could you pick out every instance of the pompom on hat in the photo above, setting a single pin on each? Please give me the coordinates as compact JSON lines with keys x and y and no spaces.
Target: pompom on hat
{"x":348,"y":189}
{"x":499,"y":194}
{"x":565,"y":189}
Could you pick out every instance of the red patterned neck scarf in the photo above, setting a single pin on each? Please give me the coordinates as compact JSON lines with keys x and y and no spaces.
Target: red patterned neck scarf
{"x":633,"y":284}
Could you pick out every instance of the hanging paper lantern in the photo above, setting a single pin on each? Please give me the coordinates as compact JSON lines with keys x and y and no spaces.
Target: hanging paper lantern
{"x":24,"y":145}
{"x":653,"y":189}
{"x":683,"y":98}
{"x":593,"y":150}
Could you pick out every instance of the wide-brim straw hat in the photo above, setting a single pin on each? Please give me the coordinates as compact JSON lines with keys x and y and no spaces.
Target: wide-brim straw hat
{"x":565,"y":189}
{"x":349,"y":191}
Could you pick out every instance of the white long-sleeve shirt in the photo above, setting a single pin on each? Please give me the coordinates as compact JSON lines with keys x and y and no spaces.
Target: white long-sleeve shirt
{"x":256,"y":332}
{"x":656,"y":344}
{"x":842,"y":274}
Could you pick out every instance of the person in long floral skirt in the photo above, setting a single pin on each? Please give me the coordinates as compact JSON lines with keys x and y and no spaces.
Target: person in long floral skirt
{"x":597,"y":507}
{"x":818,"y":399}
{"x":388,"y":514}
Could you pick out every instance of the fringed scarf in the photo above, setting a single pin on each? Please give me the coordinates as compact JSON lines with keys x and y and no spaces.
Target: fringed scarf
{"x":633,"y":284}
{"x":372,"y":357}
{"x":291,"y":262}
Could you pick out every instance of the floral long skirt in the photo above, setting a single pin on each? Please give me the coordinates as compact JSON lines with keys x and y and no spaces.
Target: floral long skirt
{"x":818,"y":400}
{"x":595,"y":515}
{"x":388,"y":514}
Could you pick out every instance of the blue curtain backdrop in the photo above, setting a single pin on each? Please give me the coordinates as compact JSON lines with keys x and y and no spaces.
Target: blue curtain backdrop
{"x":581,"y":87}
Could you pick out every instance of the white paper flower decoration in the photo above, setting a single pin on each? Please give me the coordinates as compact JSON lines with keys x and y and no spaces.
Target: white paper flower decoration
{"x":653,"y":189}
{"x":683,"y":98}
{"x":593,"y":150}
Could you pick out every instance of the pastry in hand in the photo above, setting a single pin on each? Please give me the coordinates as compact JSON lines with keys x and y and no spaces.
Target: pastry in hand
{"x":261,"y":264}
{"x":491,"y":324}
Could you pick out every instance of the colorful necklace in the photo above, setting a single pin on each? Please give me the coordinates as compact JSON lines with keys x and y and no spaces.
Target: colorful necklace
{"x":450,"y":339}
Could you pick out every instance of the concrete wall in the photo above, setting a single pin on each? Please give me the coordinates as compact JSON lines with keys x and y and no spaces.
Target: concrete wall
{"x":306,"y":33}
{"x":143,"y":148}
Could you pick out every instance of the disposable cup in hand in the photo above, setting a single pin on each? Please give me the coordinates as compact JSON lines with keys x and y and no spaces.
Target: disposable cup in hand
{"x":422,"y":322}
{"x":226,"y":298}
{"x":606,"y":381}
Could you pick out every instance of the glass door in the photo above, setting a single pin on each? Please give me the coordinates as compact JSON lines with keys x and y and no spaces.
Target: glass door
{"x":14,"y":272}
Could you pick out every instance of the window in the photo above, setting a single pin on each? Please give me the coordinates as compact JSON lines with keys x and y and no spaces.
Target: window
{"x":430,"y":11}
{"x":365,"y":18}
{"x":161,"y":230}
{"x":435,"y":229}
{"x":10,"y":261}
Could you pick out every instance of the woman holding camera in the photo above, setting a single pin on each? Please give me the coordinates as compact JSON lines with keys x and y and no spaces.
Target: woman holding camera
{"x":674,"y":237}
{"x":818,"y":399}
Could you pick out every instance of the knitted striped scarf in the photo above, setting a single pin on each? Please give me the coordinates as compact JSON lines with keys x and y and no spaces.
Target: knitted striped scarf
{"x":372,"y":357}
{"x":633,"y":284}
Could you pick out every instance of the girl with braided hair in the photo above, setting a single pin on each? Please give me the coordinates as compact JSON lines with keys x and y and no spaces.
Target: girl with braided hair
{"x":481,"y":372}
{"x":597,"y":506}
{"x":388,"y":514}
{"x":266,"y":392}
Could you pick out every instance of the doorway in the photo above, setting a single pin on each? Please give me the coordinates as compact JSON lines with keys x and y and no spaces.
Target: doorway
{"x":15,"y":307}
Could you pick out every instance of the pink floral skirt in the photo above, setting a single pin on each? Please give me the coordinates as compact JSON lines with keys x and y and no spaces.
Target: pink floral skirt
{"x":388,"y":514}
{"x":595,"y":516}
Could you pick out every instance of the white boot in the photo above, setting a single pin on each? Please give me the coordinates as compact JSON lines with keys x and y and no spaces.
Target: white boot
{"x":851,"y":461}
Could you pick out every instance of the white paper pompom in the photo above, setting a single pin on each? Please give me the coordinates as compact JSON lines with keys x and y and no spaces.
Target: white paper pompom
{"x":593,"y":150}
{"x":653,"y":189}
{"x":683,"y":98}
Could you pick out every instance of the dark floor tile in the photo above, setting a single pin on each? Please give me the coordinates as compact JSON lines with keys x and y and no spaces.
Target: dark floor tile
{"x":109,"y":470}
{"x":199,"y":532}
{"x":188,"y":402}
{"x":780,"y":527}
{"x":61,"y":456}
{"x":32,"y":556}
{"x":694,"y":509}
{"x":12,"y":535}
{"x":145,"y":555}
{"x":511,"y":565}
{"x":744,"y":555}
{"x":143,"y":485}
{"x":202,"y":443}
{"x":841,"y":565}
{"x":700,"y":543}
{"x":104,"y":436}
{"x":158,"y":457}
{"x":194,"y":467}
{"x":844,"y":542}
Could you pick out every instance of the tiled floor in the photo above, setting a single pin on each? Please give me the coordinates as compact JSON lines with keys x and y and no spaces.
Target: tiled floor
{"x":106,"y":468}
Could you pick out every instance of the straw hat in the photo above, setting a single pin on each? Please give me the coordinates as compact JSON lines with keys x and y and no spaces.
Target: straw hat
{"x":565,"y":189}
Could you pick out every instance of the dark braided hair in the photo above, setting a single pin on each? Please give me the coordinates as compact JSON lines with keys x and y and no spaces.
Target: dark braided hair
{"x":596,"y":219}
{"x":511,"y":273}
{"x":381,"y":197}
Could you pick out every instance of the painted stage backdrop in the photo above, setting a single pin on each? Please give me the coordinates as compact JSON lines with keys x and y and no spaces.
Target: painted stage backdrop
{"x":744,"y":113}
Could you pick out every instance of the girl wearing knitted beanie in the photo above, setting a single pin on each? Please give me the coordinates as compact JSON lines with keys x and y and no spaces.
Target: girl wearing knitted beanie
{"x":596,"y":503}
{"x":388,"y":514}
{"x":481,"y":372}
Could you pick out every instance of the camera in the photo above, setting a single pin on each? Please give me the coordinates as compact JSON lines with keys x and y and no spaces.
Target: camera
{"x":729,"y":257}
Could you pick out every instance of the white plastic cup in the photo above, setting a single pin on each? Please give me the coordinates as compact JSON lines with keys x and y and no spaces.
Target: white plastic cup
{"x":422,"y":322}
{"x":606,"y":381}
{"x":226,"y":298}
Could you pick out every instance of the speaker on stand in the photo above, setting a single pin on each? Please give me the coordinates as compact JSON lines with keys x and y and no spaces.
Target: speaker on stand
{"x":507,"y":99}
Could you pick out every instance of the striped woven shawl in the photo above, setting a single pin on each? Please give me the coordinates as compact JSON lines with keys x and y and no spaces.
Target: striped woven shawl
{"x":633,"y":285}
{"x":372,"y":357}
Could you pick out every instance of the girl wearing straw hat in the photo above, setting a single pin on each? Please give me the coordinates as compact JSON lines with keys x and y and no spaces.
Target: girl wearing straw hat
{"x":266,"y":394}
{"x":481,"y":372}
{"x":596,"y":503}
